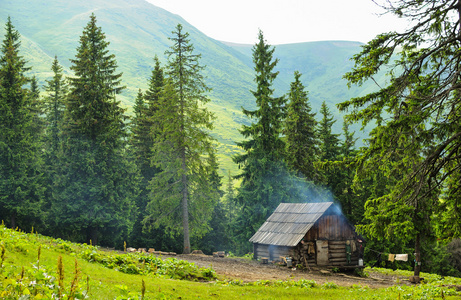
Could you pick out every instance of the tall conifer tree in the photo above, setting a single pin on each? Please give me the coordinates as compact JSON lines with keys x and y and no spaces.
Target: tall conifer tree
{"x":99,"y":184}
{"x":182,"y":192}
{"x":21,"y":186}
{"x":300,"y":132}
{"x":265,"y":180}
{"x":54,"y":106}
{"x":421,"y":142}
{"x":329,"y":148}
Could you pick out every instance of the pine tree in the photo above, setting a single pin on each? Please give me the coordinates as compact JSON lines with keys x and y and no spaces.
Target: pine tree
{"x":300,"y":132}
{"x":183,"y":147}
{"x":99,"y":184}
{"x":21,"y":186}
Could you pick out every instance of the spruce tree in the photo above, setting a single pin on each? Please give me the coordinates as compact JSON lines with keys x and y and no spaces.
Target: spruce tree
{"x":420,"y":140}
{"x":98,"y":184}
{"x":351,"y":204}
{"x":265,"y":180}
{"x":300,"y":132}
{"x":142,"y":142}
{"x":181,"y":191}
{"x":36,"y":107}
{"x":329,"y":149}
{"x":21,"y":186}
{"x":54,"y":106}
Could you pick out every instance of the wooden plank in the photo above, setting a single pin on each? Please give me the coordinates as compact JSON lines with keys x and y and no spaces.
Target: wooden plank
{"x":335,"y":227}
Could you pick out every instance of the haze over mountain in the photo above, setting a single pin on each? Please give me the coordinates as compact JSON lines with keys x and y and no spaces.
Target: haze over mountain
{"x":138,"y":30}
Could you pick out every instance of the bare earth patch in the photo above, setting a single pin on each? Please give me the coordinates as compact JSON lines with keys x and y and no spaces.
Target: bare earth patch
{"x":248,"y":270}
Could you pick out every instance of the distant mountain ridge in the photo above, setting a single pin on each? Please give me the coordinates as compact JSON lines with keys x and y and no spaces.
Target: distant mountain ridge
{"x":138,"y":30}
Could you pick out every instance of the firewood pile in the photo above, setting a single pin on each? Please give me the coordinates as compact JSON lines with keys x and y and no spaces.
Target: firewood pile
{"x":304,"y":254}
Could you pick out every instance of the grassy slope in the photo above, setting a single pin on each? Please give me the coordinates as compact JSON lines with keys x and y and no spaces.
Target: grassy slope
{"x":139,"y":30}
{"x":104,"y":283}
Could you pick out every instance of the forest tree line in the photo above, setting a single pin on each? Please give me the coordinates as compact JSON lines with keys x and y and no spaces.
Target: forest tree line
{"x":75,"y":166}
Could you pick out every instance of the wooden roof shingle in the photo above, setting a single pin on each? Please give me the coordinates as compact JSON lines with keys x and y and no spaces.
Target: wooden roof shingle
{"x":289,"y":223}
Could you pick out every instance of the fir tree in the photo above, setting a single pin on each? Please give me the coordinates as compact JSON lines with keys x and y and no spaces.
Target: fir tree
{"x":99,"y":185}
{"x":183,"y":147}
{"x":21,"y":186}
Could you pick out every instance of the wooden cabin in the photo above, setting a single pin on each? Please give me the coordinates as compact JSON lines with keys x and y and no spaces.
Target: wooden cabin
{"x":309,"y":233}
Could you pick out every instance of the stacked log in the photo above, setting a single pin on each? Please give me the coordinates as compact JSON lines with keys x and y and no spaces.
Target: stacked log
{"x":337,"y":254}
{"x":302,"y":257}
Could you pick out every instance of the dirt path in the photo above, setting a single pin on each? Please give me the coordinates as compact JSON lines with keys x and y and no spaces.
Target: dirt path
{"x":246,"y":270}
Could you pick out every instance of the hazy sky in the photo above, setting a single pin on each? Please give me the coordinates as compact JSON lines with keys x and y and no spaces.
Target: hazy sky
{"x":284,"y":21}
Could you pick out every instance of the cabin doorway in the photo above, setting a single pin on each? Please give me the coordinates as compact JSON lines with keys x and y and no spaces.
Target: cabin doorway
{"x":322,"y":252}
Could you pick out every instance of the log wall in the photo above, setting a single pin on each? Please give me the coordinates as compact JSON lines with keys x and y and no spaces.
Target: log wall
{"x":272,"y":252}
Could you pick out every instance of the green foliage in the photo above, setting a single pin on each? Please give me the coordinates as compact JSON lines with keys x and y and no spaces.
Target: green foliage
{"x":22,"y":274}
{"x":264,"y":172}
{"x":21,"y":182}
{"x":186,"y":189}
{"x":141,"y":145}
{"x":98,"y":183}
{"x":300,"y":132}
{"x":417,"y":112}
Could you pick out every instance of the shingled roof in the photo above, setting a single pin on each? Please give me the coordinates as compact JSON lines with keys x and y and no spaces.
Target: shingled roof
{"x":289,"y":223}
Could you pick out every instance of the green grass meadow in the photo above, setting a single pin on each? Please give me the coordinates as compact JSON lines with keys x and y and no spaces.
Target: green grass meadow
{"x":29,"y":270}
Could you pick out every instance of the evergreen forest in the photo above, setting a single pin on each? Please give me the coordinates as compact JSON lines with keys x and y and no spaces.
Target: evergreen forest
{"x":83,"y":160}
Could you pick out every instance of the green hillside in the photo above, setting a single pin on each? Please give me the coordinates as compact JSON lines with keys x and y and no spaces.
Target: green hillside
{"x":139,"y":30}
{"x":33,"y":266}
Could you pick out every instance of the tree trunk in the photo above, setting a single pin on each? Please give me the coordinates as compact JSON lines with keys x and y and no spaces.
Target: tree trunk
{"x":13,"y":220}
{"x":417,"y":255}
{"x":92,"y":236}
{"x":185,"y":208}
{"x":185,"y":215}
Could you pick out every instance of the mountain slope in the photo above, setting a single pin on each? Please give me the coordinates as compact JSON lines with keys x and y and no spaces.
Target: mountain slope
{"x":138,"y":30}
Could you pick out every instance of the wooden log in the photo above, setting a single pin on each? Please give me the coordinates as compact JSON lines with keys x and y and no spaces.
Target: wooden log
{"x":337,"y":246}
{"x":337,"y":250}
{"x":337,"y":256}
{"x":337,"y":260}
{"x":333,"y":242}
